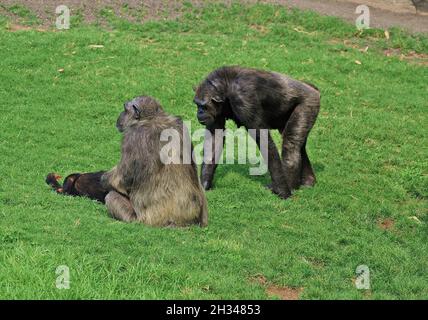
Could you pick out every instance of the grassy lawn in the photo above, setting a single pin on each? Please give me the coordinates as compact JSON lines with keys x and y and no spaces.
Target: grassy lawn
{"x":368,"y":147}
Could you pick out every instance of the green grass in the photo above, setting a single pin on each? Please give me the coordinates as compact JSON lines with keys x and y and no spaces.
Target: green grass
{"x":368,"y":147}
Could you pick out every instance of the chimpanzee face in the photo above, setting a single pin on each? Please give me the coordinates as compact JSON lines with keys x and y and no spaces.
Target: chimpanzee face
{"x":208,"y":103}
{"x":206,"y":112}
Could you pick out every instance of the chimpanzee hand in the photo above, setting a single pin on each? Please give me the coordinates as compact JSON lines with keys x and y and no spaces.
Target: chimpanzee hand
{"x":283,"y":193}
{"x":207,"y":174}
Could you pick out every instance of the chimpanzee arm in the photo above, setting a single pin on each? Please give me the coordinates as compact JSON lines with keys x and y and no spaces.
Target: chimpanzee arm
{"x":112,"y":180}
{"x":116,"y":178}
{"x":212,"y":152}
{"x":271,"y":157}
{"x":134,"y":163}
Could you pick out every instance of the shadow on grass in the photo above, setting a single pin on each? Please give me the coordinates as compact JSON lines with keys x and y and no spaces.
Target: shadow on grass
{"x":243,"y":170}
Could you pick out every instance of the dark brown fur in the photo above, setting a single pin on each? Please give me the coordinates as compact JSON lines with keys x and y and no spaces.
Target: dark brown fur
{"x":152,"y":192}
{"x":258,"y":99}
{"x":79,"y":184}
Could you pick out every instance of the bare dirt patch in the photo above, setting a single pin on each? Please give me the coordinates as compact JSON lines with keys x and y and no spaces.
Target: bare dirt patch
{"x":17,"y":27}
{"x":386,"y":224}
{"x":408,"y":55}
{"x":284,"y":293}
{"x":379,"y":17}
{"x":134,"y":10}
{"x":370,"y":44}
{"x":260,"y":279}
{"x":411,"y":56}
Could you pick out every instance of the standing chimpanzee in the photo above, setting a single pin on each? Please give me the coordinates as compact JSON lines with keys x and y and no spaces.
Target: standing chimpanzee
{"x":258,"y":100}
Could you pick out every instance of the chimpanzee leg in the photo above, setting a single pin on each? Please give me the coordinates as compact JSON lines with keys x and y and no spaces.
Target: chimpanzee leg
{"x":279,"y":183}
{"x":120,"y":207}
{"x":212,"y":151}
{"x":308,"y":175}
{"x":294,"y":158}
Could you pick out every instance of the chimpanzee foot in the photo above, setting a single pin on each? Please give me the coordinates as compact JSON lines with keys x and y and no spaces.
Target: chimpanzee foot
{"x":283,"y":193}
{"x":308,"y":181}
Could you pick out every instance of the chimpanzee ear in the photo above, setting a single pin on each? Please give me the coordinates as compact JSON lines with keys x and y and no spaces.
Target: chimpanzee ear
{"x":217,"y":99}
{"x":137,"y":112}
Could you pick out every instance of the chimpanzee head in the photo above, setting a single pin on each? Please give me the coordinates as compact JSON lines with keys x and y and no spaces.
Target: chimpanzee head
{"x":209,"y":101}
{"x":136,"y":110}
